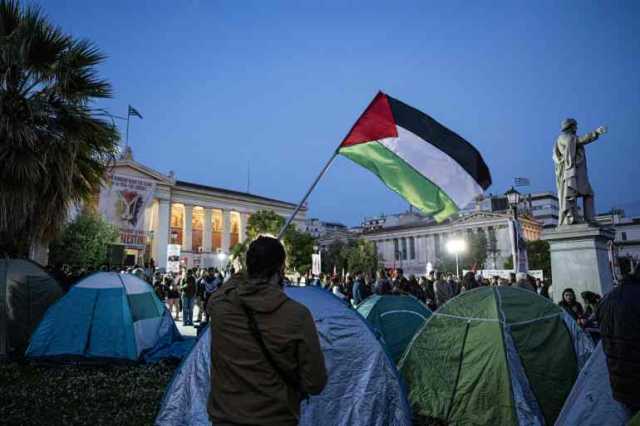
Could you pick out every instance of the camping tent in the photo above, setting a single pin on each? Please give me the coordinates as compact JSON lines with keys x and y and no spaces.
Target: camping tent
{"x":591,"y":402}
{"x":107,"y":316}
{"x":363,"y":387}
{"x":26,"y":291}
{"x":495,"y":356}
{"x":396,"y":318}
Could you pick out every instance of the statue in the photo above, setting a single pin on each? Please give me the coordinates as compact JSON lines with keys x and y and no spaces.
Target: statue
{"x":571,"y":173}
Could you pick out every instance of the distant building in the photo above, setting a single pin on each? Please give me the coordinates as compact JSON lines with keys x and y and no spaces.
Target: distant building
{"x":627,"y":232}
{"x":153,"y":210}
{"x":344,"y":236}
{"x":542,"y":206}
{"x":410,"y":245}
{"x":317,"y":228}
{"x":385,"y":221}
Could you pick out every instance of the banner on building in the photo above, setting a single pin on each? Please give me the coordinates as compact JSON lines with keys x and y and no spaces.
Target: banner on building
{"x":173,"y":258}
{"x":518,"y":247}
{"x":123,"y":201}
{"x":505,"y":273}
{"x":316,"y":264}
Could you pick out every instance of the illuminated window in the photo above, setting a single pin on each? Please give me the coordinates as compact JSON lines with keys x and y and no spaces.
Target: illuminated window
{"x":234,"y":238}
{"x":197,"y":222}
{"x":177,"y":221}
{"x":216,"y":229}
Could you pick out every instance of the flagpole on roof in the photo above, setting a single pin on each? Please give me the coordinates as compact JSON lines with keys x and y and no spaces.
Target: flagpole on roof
{"x":304,"y":199}
{"x":126,"y":141}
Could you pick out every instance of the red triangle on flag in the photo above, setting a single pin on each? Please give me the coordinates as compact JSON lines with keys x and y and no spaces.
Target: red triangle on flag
{"x":375,"y":123}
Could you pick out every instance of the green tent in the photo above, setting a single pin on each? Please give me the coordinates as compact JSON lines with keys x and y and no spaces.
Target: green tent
{"x":26,"y":292}
{"x":495,"y":356}
{"x":396,"y":318}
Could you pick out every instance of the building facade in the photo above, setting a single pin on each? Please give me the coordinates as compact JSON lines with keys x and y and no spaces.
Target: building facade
{"x":542,"y":206}
{"x":627,"y":232}
{"x":317,"y":228}
{"x":411,"y":246}
{"x":204,"y":221}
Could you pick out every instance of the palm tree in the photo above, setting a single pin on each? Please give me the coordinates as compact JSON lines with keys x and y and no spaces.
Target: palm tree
{"x":54,"y":146}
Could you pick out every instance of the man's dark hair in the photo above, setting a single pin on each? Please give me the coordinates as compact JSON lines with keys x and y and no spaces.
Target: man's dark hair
{"x":399,"y":271}
{"x":265,"y":257}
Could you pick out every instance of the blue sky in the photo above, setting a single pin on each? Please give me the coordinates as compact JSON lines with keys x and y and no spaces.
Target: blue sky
{"x":278,"y":84}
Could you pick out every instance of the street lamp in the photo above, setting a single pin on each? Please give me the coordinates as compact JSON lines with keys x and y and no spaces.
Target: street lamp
{"x":456,"y":247}
{"x":513,"y":197}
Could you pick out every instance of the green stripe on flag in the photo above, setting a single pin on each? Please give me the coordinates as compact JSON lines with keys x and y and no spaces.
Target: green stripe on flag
{"x":419,"y":191}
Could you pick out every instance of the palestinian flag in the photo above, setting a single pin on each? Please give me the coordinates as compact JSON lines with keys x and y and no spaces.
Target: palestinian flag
{"x":433,"y":168}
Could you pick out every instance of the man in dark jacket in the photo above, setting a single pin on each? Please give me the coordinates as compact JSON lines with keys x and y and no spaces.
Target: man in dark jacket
{"x":265,"y":351}
{"x":619,"y":317}
{"x":188,"y":287}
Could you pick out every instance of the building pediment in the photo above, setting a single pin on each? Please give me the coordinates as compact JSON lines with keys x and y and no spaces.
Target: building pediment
{"x":131,"y":167}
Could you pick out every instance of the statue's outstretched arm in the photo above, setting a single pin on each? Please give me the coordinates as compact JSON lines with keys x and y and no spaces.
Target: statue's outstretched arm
{"x":592,"y":136}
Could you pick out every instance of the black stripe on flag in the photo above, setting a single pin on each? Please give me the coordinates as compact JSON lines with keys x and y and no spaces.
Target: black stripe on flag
{"x":442,"y":138}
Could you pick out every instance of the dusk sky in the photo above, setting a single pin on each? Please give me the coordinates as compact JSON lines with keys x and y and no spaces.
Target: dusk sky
{"x":278,"y":84}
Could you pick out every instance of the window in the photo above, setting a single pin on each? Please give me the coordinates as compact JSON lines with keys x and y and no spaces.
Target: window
{"x":177,"y":222}
{"x":197,"y":223}
{"x":412,"y":248}
{"x":396,"y":250}
{"x":234,"y":237}
{"x":404,"y":248}
{"x":624,"y":236}
{"x":216,"y":230}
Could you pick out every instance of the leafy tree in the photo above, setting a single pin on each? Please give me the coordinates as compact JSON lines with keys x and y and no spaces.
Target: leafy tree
{"x":477,"y":251}
{"x":362,"y":256}
{"x":333,"y":257}
{"x":83,"y":242}
{"x":539,"y":256}
{"x":54,"y":147}
{"x":298,"y":245}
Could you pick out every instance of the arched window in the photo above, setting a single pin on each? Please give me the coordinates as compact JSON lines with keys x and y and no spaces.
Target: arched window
{"x":234,"y":237}
{"x":197,"y":226}
{"x":177,"y":222}
{"x":216,"y":229}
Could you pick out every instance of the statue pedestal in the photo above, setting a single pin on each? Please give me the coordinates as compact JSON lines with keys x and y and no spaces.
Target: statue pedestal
{"x":579,"y":259}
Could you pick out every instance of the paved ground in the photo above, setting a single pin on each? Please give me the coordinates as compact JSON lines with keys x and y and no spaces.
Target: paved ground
{"x":187,"y":330}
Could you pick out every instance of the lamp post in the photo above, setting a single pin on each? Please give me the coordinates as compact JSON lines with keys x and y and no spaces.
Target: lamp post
{"x":513,"y":197}
{"x":456,"y":247}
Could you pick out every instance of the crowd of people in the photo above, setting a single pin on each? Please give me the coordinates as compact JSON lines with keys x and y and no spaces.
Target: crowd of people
{"x":434,"y":289}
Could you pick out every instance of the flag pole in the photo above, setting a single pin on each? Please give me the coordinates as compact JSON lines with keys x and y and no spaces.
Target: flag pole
{"x":315,"y":182}
{"x":126,"y":142}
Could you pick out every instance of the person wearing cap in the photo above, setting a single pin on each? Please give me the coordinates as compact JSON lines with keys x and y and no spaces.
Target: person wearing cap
{"x":572,"y":181}
{"x":265,"y":351}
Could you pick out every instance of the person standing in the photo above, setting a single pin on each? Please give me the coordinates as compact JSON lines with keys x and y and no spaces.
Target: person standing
{"x":173,"y":295}
{"x":188,"y":288}
{"x":265,"y":352}
{"x":619,"y":316}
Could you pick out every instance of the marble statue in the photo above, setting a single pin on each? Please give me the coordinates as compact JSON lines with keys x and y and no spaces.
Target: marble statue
{"x":572,"y":181}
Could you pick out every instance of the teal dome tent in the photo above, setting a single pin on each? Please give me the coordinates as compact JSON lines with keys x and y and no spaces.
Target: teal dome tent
{"x":396,"y":318}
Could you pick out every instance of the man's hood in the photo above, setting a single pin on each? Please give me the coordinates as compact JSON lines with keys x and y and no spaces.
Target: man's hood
{"x":259,"y":295}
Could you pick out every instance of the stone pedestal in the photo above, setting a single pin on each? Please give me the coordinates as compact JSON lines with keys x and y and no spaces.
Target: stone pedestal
{"x":579,"y":259}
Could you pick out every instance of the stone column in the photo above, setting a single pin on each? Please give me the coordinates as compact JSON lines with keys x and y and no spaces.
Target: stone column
{"x":186,"y":228}
{"x":161,"y":234}
{"x":244,"y":218}
{"x":226,"y":230}
{"x":206,"y":230}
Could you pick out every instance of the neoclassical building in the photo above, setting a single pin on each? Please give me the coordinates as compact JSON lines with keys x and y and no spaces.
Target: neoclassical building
{"x":412,"y":245}
{"x":154,"y":210}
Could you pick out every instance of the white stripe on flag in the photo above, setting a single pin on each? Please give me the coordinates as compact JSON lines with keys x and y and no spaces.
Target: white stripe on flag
{"x":435,"y":165}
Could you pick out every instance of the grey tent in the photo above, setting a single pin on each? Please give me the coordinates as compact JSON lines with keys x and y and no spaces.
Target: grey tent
{"x":26,"y":292}
{"x":591,"y":402}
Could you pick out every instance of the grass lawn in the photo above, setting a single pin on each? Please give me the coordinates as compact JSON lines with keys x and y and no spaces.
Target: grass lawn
{"x":71,"y":395}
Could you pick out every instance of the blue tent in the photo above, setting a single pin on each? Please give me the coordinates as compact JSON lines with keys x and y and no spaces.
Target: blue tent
{"x":108,"y":316}
{"x":363,"y":388}
{"x":591,"y":402}
{"x":396,"y":318}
